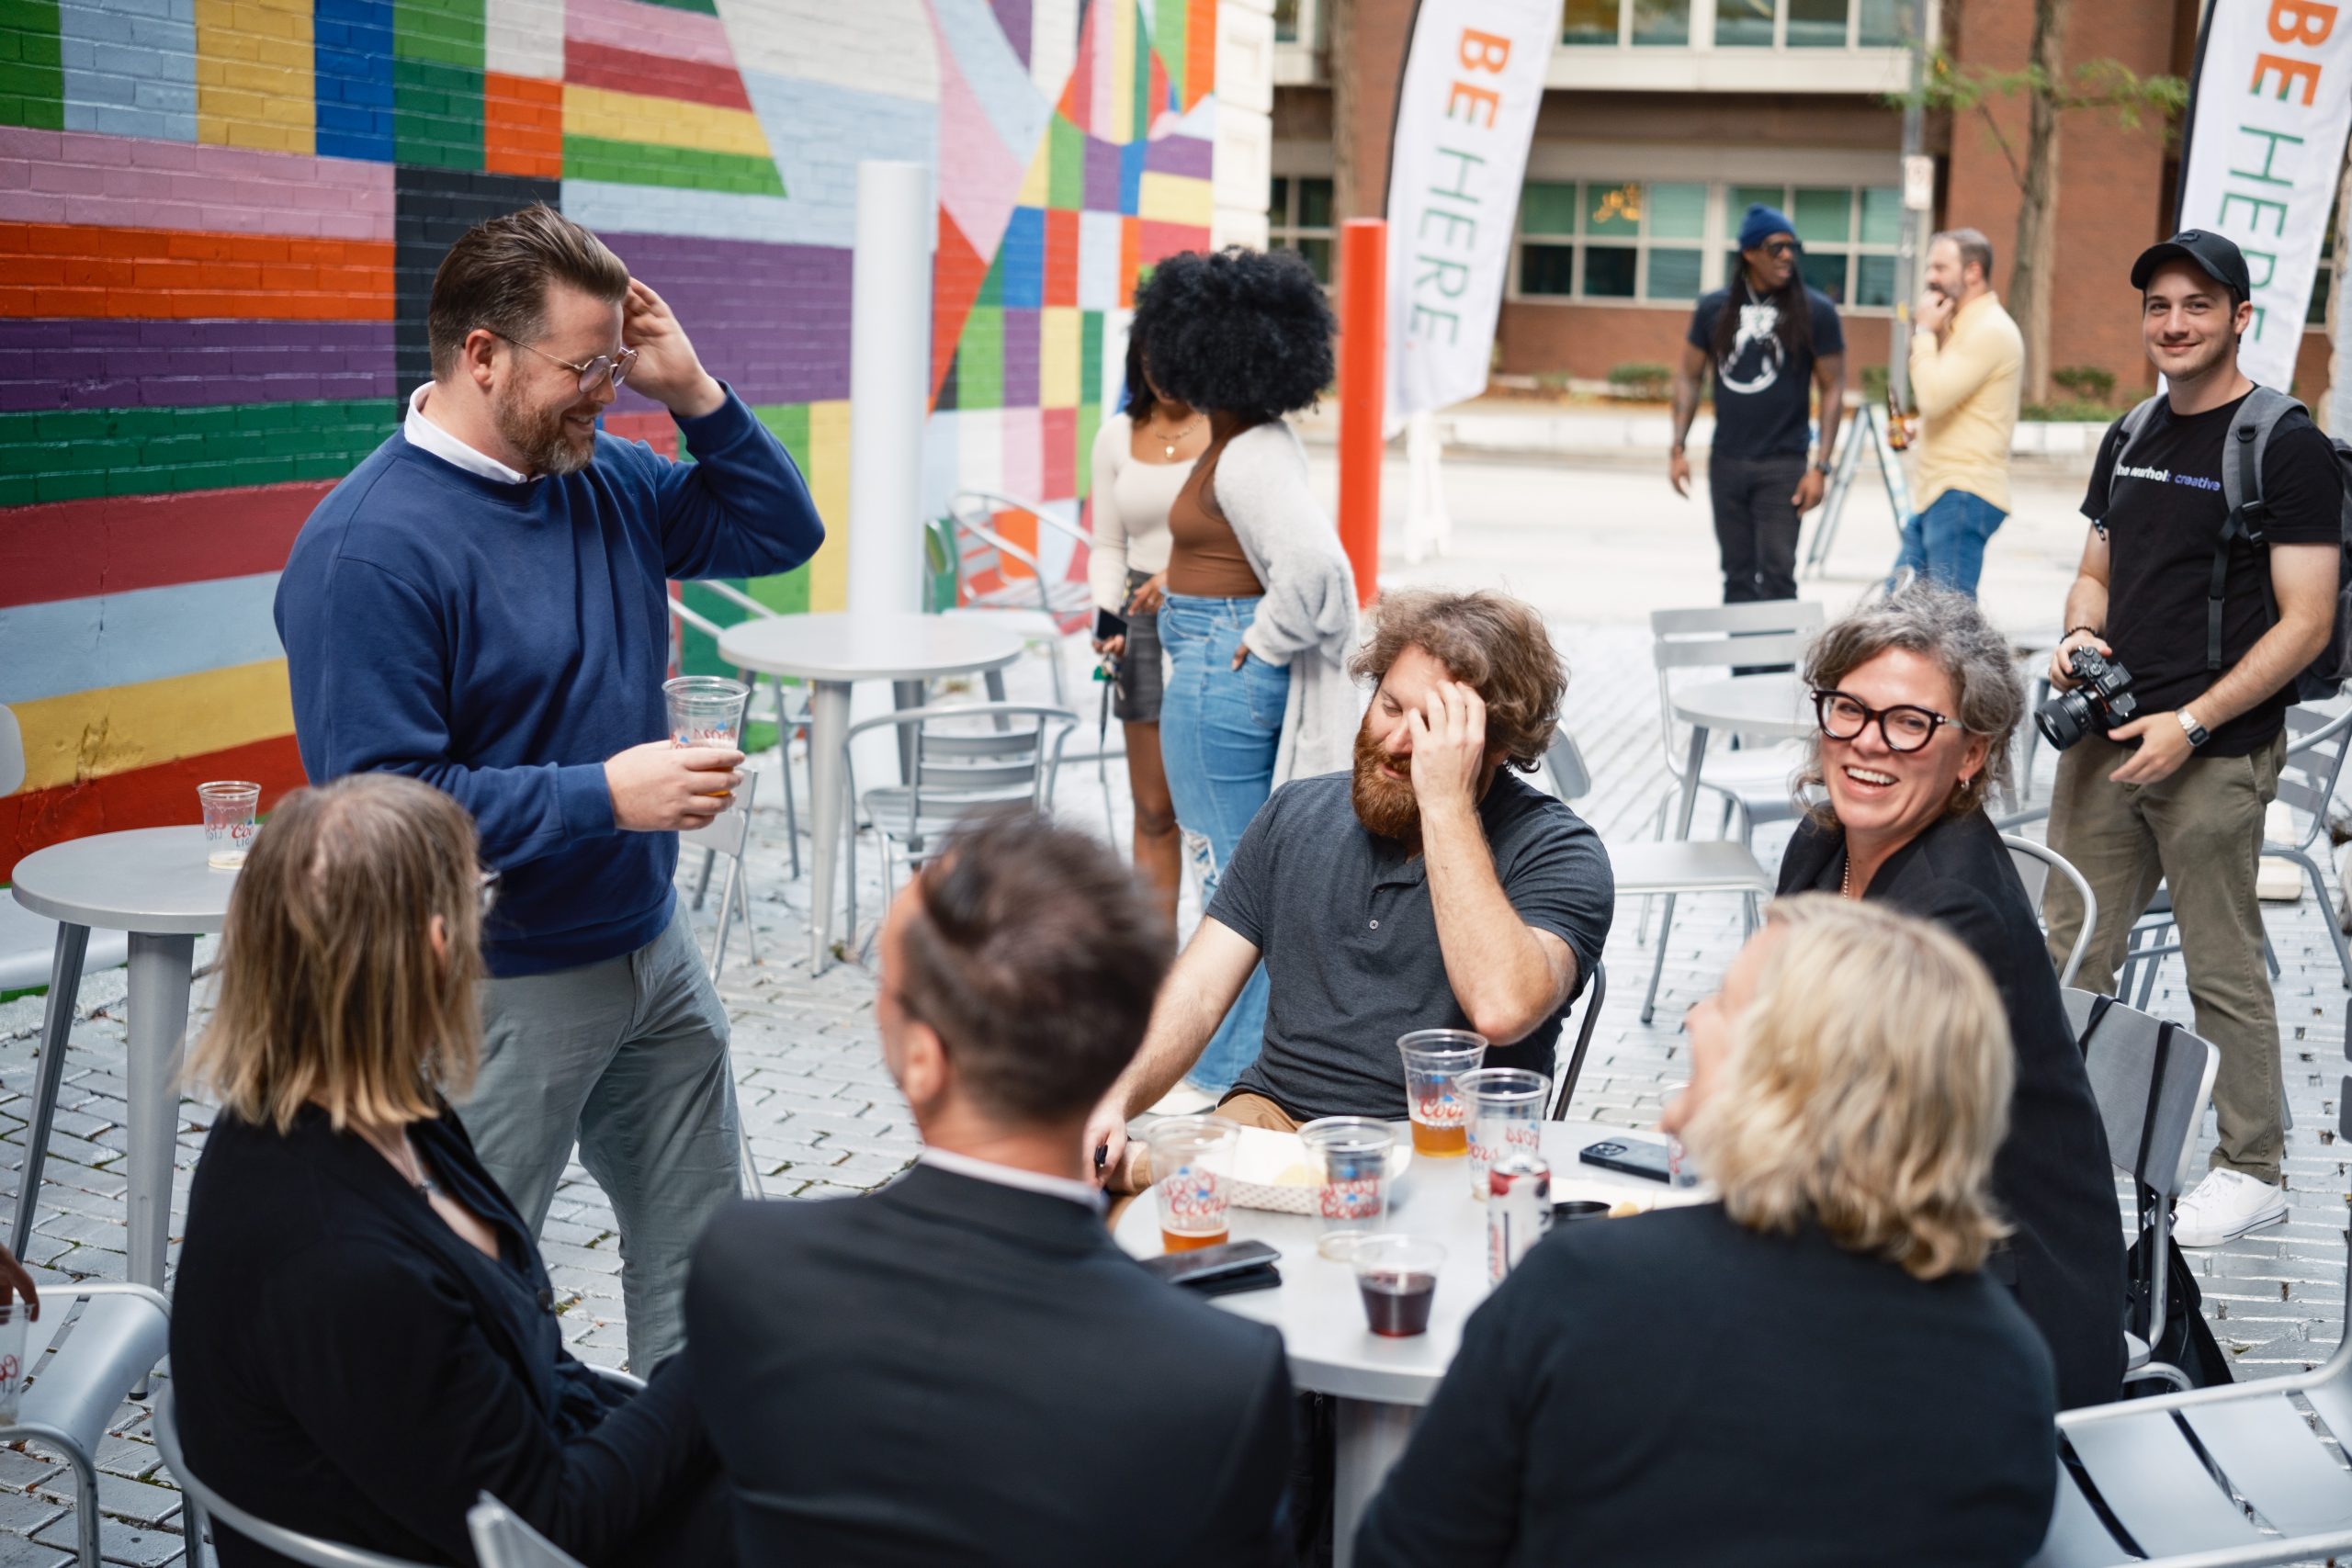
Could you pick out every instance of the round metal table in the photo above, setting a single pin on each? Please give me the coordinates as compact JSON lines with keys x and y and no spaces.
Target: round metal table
{"x":1381,"y":1384}
{"x":1775,"y":706}
{"x":832,"y":651}
{"x":154,"y":883}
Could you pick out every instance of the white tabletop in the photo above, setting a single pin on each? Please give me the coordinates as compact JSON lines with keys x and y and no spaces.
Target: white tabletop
{"x":147,"y":879}
{"x":1318,"y":1307}
{"x":842,"y":646}
{"x":1750,"y":705}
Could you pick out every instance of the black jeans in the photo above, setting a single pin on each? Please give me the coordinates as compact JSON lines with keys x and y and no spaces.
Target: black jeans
{"x":1756,"y":524}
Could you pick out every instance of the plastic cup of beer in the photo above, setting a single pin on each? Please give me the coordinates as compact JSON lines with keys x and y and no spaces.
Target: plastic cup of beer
{"x":14,"y":1315}
{"x":1396,"y":1276}
{"x":1506,"y":1113}
{"x":1435,"y":1060}
{"x":1351,"y":1154}
{"x":231,"y":809}
{"x":706,"y":710}
{"x":1192,"y":1167}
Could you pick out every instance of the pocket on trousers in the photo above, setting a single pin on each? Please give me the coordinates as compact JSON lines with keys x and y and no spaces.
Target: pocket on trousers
{"x":1267,"y":688}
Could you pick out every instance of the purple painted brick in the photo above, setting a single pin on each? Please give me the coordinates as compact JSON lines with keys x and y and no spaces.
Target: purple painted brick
{"x":86,"y":365}
{"x":1180,"y":155}
{"x":1102,"y":177}
{"x":1020,"y":358}
{"x":1012,"y":15}
{"x":771,"y":321}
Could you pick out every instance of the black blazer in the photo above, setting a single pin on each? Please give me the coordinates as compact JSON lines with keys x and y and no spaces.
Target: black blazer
{"x":1675,"y":1389}
{"x":955,"y":1372}
{"x":346,"y":1365}
{"x":2051,"y":1177}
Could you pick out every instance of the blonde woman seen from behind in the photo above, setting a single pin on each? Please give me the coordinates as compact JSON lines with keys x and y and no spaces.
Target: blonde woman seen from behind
{"x":1815,"y":1371}
{"x":365,"y":1340}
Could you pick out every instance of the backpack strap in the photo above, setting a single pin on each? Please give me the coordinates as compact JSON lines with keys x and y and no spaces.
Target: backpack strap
{"x":2100,"y":1004}
{"x":2128,"y":429}
{"x":2247,"y":443}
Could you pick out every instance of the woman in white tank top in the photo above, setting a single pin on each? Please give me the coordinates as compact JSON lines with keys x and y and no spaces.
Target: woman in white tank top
{"x":1142,"y":455}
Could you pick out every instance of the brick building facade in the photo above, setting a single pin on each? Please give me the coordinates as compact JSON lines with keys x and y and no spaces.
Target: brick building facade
{"x":1664,"y":118}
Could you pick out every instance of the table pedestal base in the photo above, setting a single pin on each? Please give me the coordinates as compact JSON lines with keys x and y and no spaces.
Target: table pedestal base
{"x":1368,"y":1440}
{"x":161,"y":970}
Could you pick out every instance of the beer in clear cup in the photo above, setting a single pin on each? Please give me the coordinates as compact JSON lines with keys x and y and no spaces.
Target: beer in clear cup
{"x":1435,"y":1060}
{"x":1192,"y":1168}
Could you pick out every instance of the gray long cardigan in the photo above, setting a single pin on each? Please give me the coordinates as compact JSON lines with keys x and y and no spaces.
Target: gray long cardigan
{"x":1308,"y":619}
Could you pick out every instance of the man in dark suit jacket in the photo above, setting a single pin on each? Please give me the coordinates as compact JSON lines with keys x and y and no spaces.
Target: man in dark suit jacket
{"x":962,"y":1368}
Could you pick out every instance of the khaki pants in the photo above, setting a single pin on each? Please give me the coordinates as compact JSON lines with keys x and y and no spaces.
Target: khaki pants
{"x":2200,"y":832}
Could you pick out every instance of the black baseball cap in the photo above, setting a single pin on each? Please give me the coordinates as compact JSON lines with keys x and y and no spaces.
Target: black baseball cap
{"x":2215,"y":256}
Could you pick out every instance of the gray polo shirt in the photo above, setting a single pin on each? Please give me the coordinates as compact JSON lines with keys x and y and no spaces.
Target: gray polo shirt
{"x":1343,"y":919}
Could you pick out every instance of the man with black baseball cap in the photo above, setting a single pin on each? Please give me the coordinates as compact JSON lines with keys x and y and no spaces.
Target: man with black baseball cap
{"x":2177,"y":793}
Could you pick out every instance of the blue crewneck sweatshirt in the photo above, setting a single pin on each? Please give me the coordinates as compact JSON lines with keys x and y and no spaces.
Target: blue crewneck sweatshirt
{"x":500,"y":641}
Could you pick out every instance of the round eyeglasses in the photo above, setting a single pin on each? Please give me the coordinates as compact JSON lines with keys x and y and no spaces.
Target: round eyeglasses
{"x":605,"y":368}
{"x":1904,"y":728}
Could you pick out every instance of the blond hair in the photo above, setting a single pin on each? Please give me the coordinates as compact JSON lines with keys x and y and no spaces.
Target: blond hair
{"x":1868,"y":1088}
{"x":331,"y":990}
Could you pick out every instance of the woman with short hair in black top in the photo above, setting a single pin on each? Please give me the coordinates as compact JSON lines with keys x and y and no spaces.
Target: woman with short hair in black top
{"x":1813,"y":1371}
{"x":364,"y":1338}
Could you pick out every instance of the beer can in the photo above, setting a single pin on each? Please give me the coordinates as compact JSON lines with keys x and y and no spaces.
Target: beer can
{"x":1519,"y":1210}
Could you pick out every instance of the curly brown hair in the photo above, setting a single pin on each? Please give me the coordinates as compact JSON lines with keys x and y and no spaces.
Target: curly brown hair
{"x":1492,"y":643}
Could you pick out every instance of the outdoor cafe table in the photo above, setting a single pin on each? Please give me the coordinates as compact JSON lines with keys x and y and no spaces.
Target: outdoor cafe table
{"x":152,"y":882}
{"x":1379,"y":1385}
{"x":832,"y":651}
{"x":1774,"y":705}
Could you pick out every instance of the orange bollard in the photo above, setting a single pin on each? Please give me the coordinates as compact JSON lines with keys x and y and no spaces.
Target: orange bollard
{"x":1363,"y":366}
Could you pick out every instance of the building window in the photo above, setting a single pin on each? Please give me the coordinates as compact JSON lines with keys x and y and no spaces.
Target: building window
{"x":1298,"y":218}
{"x":1662,"y":22}
{"x":1850,"y":236}
{"x":1638,"y":240}
{"x":1301,"y":21}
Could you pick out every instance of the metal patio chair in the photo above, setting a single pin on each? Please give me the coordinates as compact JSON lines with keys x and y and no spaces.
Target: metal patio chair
{"x":790,"y":718}
{"x":1021,"y":596}
{"x":83,"y":1364}
{"x":2036,"y":863}
{"x":1596,"y":993}
{"x":1753,"y":781}
{"x":503,"y":1540}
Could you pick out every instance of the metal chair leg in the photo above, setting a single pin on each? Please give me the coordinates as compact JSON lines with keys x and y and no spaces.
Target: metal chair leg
{"x":2328,"y":907}
{"x":726,"y":917}
{"x":192,"y":1515}
{"x":744,"y":902}
{"x":702,"y":883}
{"x":1657,"y":966}
{"x":791,"y":809}
{"x":57,"y":1024}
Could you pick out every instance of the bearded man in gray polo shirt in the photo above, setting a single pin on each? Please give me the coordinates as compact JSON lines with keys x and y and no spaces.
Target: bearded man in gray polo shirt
{"x":1427,"y":887}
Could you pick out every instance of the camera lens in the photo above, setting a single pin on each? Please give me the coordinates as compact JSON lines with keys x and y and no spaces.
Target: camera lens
{"x":2064,"y":719}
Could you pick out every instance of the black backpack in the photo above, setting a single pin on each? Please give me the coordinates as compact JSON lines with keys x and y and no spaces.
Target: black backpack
{"x":2262,"y":412}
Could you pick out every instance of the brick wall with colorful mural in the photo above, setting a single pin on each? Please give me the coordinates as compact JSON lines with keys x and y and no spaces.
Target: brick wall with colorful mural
{"x":219,"y":221}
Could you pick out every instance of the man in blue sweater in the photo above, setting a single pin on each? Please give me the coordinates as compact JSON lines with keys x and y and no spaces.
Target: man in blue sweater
{"x":482,"y":603}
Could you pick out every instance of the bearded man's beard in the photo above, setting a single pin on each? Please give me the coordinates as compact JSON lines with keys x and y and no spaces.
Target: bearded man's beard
{"x":545,"y":444}
{"x":1386,"y":805}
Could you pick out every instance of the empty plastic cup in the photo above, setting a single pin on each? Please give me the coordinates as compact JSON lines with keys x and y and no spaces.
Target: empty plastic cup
{"x":1435,"y":1060}
{"x":230,"y":807}
{"x":1396,"y":1276}
{"x":1192,"y":1166}
{"x":1351,"y":1155}
{"x":706,"y":710}
{"x":1505,"y":1112}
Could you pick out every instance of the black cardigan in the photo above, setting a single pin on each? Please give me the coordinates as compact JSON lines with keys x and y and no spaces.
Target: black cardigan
{"x":346,"y":1365}
{"x":2051,"y":1177}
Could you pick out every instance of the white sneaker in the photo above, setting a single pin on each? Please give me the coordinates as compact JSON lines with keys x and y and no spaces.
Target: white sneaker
{"x":2225,"y":1206}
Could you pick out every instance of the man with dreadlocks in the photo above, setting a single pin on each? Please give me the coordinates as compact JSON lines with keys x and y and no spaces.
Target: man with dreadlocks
{"x":1767,"y":335}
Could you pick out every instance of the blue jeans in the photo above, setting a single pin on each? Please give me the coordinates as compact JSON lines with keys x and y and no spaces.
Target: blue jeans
{"x":1219,"y":727}
{"x":1946,"y":542}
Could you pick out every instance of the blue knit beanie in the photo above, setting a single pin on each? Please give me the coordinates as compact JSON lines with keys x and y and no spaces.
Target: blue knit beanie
{"x":1761,"y":223}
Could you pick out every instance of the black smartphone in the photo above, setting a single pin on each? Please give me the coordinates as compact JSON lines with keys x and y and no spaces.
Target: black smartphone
{"x":1108,"y":625}
{"x":1633,"y":1156}
{"x":1215,"y":1269}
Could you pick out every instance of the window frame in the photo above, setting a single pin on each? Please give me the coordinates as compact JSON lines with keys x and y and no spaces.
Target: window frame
{"x":1704,"y":23}
{"x":1284,"y":229}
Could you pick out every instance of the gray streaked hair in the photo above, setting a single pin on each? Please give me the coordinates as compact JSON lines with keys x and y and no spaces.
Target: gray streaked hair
{"x":1972,"y":246}
{"x":1951,"y":631}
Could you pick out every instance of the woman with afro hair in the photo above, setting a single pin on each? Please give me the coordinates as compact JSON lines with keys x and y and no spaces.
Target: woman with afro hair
{"x":1260,"y":608}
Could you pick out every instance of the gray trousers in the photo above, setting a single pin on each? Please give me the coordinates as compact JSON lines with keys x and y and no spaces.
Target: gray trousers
{"x":2200,"y":832}
{"x":629,"y":1057}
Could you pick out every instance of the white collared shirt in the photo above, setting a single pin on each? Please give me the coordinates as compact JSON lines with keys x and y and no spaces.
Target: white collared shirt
{"x":424,"y":433}
{"x":1077,"y":1191}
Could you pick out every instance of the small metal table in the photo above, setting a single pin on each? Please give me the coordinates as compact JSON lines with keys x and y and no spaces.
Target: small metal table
{"x":1379,"y":1385}
{"x":154,"y":883}
{"x":832,"y":651}
{"x":1776,"y":706}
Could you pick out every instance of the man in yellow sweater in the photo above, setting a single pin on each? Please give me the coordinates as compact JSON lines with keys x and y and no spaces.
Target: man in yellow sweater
{"x":1965,"y":358}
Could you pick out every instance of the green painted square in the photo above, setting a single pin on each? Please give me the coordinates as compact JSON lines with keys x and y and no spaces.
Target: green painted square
{"x":1170,"y":19}
{"x":32,"y":77}
{"x":447,"y":31}
{"x":981,"y":380}
{"x":1066,"y":170}
{"x":1090,"y":360}
{"x":992,"y":282}
{"x":1089,"y":424}
{"x":436,"y":114}
{"x":1139,"y":126}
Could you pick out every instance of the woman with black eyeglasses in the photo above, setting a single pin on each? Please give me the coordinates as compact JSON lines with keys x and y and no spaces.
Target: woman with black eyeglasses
{"x":1917,"y":698}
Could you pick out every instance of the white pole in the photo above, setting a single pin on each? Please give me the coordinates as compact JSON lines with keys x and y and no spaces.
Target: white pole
{"x":1428,"y":529}
{"x":889,"y":405}
{"x":890,"y":369}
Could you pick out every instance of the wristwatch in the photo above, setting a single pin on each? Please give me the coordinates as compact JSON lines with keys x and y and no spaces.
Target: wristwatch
{"x":1821,"y":467}
{"x":2197,"y":733}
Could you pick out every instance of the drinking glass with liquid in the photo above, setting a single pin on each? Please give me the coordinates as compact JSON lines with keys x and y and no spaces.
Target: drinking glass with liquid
{"x":1191,"y":1169}
{"x":1351,"y":1154}
{"x":1506,"y":1116}
{"x":1435,"y":1062}
{"x":1396,"y":1276}
{"x":231,"y":806}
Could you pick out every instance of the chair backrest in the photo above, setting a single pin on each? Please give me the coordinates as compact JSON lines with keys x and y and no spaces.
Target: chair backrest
{"x":971,"y":756}
{"x":1776,"y":631}
{"x":2307,"y":779}
{"x":304,"y":1549}
{"x":503,"y":1540}
{"x":1563,"y":760}
{"x":730,"y":830}
{"x":2036,"y":864}
{"x":11,"y":751}
{"x":2146,"y":1140}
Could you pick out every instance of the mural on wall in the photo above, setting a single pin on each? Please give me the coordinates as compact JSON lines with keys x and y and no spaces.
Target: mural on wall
{"x":219,"y":221}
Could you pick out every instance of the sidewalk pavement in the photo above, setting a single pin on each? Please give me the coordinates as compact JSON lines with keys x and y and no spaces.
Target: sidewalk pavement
{"x":1595,"y":545}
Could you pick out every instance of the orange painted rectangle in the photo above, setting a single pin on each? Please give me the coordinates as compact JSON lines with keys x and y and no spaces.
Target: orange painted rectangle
{"x":1061,"y":259}
{"x":1199,"y":50}
{"x":1130,"y":259}
{"x":58,"y":269}
{"x":522,"y":126}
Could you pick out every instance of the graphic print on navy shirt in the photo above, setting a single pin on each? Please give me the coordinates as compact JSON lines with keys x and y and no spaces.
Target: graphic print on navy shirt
{"x":1763,"y":394}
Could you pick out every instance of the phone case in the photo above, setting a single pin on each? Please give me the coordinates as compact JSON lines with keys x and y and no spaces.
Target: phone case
{"x":1211,"y":1263}
{"x":1633,"y":1156}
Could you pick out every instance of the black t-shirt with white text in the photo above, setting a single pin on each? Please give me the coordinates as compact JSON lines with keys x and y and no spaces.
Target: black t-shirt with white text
{"x":2163,"y":520}
{"x":1764,"y":394}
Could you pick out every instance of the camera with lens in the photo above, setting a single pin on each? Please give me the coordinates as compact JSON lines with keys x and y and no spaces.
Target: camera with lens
{"x":2101,"y":700}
